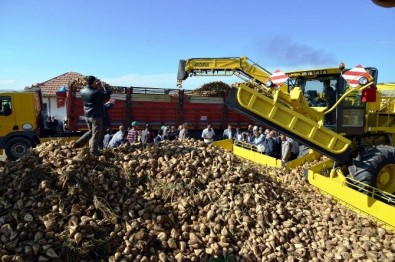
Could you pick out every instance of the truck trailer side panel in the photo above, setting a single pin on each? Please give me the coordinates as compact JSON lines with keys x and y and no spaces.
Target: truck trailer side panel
{"x":155,"y":113}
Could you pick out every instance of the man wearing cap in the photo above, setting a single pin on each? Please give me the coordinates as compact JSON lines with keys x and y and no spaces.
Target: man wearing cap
{"x":93,"y":96}
{"x":133,"y":133}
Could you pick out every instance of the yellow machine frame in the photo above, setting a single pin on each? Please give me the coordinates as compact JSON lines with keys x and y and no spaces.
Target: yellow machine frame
{"x":290,"y":111}
{"x":362,"y":199}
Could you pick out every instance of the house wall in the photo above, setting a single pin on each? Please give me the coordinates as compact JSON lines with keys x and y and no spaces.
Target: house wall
{"x":52,"y":108}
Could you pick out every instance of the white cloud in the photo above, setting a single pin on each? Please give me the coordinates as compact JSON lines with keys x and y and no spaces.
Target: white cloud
{"x":165,"y":80}
{"x":11,"y":84}
{"x":7,"y":82}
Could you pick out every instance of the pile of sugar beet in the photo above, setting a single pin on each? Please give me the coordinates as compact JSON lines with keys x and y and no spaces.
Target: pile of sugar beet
{"x":173,"y":201}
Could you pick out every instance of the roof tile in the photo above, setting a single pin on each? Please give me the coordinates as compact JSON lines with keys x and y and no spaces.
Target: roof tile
{"x":50,"y":87}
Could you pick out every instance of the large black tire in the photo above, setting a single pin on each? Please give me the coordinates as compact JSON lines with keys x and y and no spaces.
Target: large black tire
{"x":17,"y":147}
{"x":367,"y":169}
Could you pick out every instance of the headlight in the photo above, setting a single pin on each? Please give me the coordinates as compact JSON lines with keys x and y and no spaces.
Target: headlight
{"x":27,"y":126}
{"x":269,"y":83}
{"x":363,"y":80}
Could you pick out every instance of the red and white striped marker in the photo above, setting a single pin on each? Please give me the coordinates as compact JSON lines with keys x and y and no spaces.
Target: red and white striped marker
{"x":278,"y":77}
{"x":352,"y":76}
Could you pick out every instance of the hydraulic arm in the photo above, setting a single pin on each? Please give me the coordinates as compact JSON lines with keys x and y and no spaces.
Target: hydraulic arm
{"x":226,"y":66}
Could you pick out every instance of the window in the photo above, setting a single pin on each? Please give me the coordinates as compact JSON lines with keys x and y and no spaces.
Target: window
{"x":5,"y":105}
{"x":319,"y":91}
{"x":353,"y":117}
{"x":353,"y":110}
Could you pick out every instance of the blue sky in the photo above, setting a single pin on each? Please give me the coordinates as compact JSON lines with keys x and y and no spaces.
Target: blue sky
{"x":139,"y":43}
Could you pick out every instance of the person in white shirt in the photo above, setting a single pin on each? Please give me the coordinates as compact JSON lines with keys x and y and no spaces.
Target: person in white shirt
{"x":118,"y":138}
{"x":208,"y":134}
{"x":285,"y":148}
{"x":239,"y":135}
{"x":258,"y":138}
{"x":228,"y":133}
{"x":183,"y":132}
{"x":294,"y":148}
{"x":255,"y":137}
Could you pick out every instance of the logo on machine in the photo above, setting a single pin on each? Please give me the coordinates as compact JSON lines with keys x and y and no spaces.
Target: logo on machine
{"x":201,"y":64}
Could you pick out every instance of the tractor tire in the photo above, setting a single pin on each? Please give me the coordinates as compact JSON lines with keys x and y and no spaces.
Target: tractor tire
{"x":17,"y":147}
{"x":376,"y":169}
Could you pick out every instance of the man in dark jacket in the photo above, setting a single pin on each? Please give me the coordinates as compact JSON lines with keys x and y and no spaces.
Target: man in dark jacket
{"x":93,"y":95}
{"x":147,"y":136}
{"x":270,"y":145}
{"x":106,"y":114}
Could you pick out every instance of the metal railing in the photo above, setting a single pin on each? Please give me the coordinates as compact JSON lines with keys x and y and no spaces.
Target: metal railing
{"x":370,"y":191}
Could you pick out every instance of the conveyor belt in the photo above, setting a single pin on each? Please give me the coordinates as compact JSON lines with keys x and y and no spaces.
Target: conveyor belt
{"x":264,"y":111}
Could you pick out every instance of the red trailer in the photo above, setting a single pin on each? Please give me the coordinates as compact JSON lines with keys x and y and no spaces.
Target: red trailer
{"x":156,"y":106}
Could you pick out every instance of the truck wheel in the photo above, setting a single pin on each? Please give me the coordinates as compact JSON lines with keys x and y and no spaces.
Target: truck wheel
{"x":17,"y":147}
{"x":376,"y":169}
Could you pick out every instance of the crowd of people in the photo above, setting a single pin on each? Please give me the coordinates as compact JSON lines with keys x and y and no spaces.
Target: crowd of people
{"x":266,"y":141}
{"x":100,"y":135}
{"x":269,"y":142}
{"x":144,"y":136}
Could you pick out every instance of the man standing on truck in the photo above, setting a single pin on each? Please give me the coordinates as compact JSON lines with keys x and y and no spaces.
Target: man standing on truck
{"x":93,"y":95}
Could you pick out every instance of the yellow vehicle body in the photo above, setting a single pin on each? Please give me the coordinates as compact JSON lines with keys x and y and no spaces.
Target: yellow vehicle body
{"x":20,"y":126}
{"x":358,"y":140}
{"x":20,"y":121}
{"x":25,"y":109}
{"x":366,"y":201}
{"x":329,"y":181}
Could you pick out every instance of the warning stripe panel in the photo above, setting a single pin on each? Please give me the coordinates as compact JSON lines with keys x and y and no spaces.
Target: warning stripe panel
{"x":278,"y":77}
{"x":352,"y":76}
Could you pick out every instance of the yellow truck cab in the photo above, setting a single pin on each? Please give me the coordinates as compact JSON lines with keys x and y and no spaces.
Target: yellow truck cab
{"x":20,"y":118}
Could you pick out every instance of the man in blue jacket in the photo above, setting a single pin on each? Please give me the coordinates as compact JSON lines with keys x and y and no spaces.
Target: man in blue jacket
{"x":93,"y":95}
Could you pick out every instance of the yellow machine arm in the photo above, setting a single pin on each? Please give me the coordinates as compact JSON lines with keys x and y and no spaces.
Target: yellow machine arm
{"x":225,"y":66}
